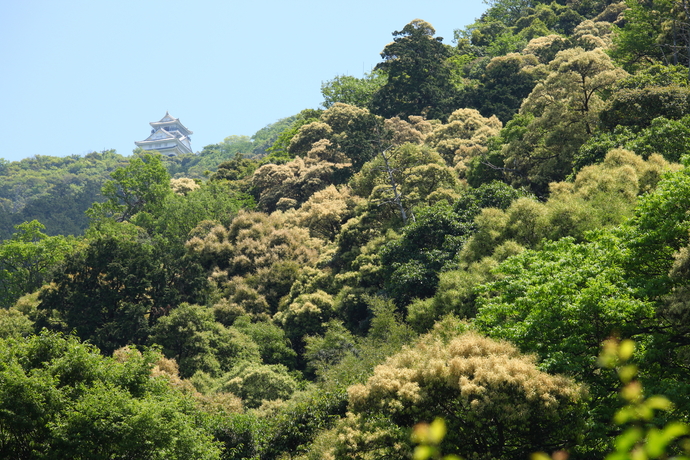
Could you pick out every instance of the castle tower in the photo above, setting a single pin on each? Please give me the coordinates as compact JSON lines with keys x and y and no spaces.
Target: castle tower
{"x":168,"y":136}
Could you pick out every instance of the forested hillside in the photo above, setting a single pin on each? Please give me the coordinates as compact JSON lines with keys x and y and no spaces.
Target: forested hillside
{"x":490,"y":234}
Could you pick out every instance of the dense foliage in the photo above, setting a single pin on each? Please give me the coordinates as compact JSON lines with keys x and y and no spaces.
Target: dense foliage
{"x":454,"y":235}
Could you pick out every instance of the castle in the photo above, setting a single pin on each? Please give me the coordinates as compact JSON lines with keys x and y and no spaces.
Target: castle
{"x":168,"y":136}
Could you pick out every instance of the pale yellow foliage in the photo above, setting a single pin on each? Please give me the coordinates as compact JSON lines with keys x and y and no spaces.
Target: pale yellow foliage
{"x":302,"y":142}
{"x":545,"y":48}
{"x":253,"y":241}
{"x":486,"y":377}
{"x":183,"y":185}
{"x":590,"y":34}
{"x":413,"y":131}
{"x":464,"y":137}
{"x":326,"y":211}
{"x":339,"y":116}
{"x":298,"y":179}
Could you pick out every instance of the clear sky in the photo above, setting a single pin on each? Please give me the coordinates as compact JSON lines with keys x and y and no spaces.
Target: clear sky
{"x":82,"y":76}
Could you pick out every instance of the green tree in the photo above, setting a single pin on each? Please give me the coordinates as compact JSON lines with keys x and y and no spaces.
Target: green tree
{"x":352,"y":90}
{"x":115,"y":288}
{"x":27,"y":260}
{"x":495,"y":400}
{"x":141,"y":186}
{"x":558,"y":117}
{"x":419,"y":77}
{"x":60,"y":398}
{"x":191,"y":336}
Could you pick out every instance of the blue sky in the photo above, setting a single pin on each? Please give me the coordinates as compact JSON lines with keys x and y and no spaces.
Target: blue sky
{"x":82,"y":76}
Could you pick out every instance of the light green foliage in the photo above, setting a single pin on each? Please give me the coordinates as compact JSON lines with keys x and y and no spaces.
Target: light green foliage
{"x":55,"y":191}
{"x":658,"y":229}
{"x":561,"y":303}
{"x":27,"y":260}
{"x":582,"y":285}
{"x":14,"y":323}
{"x":428,"y":436}
{"x":256,"y":383}
{"x":651,"y":34}
{"x":190,"y":335}
{"x":457,"y":290}
{"x":180,"y":214}
{"x":558,"y":117}
{"x":601,"y":195}
{"x":141,"y":186}
{"x":62,"y":399}
{"x":324,"y":351}
{"x":640,"y":441}
{"x":352,"y":90}
{"x":495,"y":400}
{"x":274,"y":347}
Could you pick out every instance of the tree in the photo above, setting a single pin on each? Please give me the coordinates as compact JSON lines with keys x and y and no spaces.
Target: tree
{"x":558,"y":117}
{"x":495,"y":400}
{"x":419,"y":78}
{"x":561,"y":303}
{"x":60,"y":398}
{"x":351,"y":90}
{"x":27,"y":260}
{"x":400,"y":178}
{"x":114,"y":289}
{"x":657,"y":91}
{"x":503,"y":86}
{"x":141,"y":186}
{"x":191,"y":336}
{"x":655,"y":31}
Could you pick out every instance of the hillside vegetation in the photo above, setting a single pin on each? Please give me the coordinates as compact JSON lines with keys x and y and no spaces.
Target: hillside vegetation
{"x":463,"y":234}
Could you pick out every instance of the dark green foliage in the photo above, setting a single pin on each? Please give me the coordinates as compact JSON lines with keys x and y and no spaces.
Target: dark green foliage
{"x":638,"y":107}
{"x":502,"y":87}
{"x":412,"y":262}
{"x":274,"y":346}
{"x":419,"y":79}
{"x":113,"y":290}
{"x":190,"y":335}
{"x":669,"y":138}
{"x":242,"y":435}
{"x":300,"y":420}
{"x":429,"y":245}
